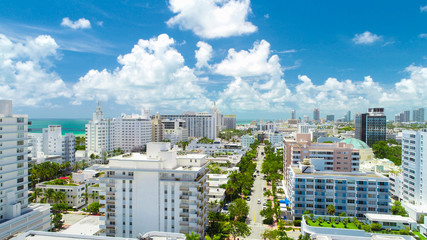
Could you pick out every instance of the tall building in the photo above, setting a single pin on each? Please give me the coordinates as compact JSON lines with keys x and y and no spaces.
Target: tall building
{"x":352,"y":193}
{"x":316,"y":115}
{"x":414,"y":165}
{"x":175,"y":131}
{"x":171,"y":192}
{"x":218,"y":119}
{"x":406,"y":116}
{"x":348,"y":117}
{"x":371,"y":126}
{"x":156,"y":129}
{"x":131,"y":132}
{"x":306,"y":118}
{"x":198,"y":124}
{"x":98,"y":133}
{"x":293,"y":114}
{"x":16,"y":214}
{"x":418,"y":115}
{"x":330,"y":118}
{"x":54,"y":143}
{"x":230,"y":121}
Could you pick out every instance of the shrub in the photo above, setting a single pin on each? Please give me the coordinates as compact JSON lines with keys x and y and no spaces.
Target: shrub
{"x":376,"y":227}
{"x":297,"y":223}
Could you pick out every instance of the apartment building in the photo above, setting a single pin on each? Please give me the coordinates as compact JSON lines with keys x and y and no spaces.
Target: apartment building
{"x":131,"y":132}
{"x":157,"y":129}
{"x":15,"y":213}
{"x":156,"y":191}
{"x":74,"y":193}
{"x":198,"y":124}
{"x":418,"y":115}
{"x":174,"y":130}
{"x":230,"y":121}
{"x":337,"y":157}
{"x":354,"y":193}
{"x":276,"y":139}
{"x":246,"y":141}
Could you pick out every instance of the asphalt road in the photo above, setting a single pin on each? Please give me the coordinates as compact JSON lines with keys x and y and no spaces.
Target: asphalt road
{"x":254,"y":208}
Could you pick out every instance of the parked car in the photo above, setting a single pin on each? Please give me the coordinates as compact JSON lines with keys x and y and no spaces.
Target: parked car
{"x":248,"y":199}
{"x":259,"y":201}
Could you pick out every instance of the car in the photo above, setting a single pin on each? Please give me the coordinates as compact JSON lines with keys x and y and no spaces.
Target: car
{"x":248,"y":199}
{"x":265,"y":189}
{"x":259,"y":201}
{"x":263,"y":204}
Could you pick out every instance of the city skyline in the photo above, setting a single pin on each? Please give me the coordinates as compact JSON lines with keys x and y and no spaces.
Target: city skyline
{"x":262,"y":58}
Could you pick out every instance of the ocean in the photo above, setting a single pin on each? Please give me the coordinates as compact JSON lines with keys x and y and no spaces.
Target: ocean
{"x":75,"y":126}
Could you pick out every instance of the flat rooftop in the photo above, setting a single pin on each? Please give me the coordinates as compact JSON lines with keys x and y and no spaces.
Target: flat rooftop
{"x":298,"y":171}
{"x":193,"y":156}
{"x":389,"y":218}
{"x":134,"y":157}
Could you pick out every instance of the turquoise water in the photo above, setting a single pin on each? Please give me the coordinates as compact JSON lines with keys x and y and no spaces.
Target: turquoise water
{"x":75,"y":126}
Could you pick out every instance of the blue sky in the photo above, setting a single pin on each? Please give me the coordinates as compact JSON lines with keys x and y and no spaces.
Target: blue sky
{"x":253,"y":58}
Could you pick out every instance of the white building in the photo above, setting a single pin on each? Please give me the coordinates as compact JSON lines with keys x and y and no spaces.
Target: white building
{"x":216,"y":193}
{"x":199,"y":125}
{"x":131,"y":131}
{"x":174,"y":130}
{"x":98,"y":133}
{"x":305,"y":128}
{"x":246,"y":141}
{"x":74,"y":193}
{"x":414,"y":186}
{"x":156,"y":191}
{"x":217,"y":147}
{"x":14,"y":210}
{"x":276,"y":139}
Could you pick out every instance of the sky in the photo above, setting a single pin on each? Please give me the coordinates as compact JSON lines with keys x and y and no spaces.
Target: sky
{"x":256,"y":59}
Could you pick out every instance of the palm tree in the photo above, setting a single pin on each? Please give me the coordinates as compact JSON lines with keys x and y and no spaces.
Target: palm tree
{"x":59,"y":196}
{"x":37,"y":193}
{"x":330,"y":209}
{"x":192,"y":236}
{"x":49,"y":194}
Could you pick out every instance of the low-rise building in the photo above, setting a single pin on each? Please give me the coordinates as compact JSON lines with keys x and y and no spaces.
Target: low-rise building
{"x":247,"y":140}
{"x":74,"y":192}
{"x":393,"y":222}
{"x":354,"y":193}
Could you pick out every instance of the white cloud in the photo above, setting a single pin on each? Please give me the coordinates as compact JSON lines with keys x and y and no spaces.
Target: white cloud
{"x":24,"y":74}
{"x":423,"y":35}
{"x":267,"y":16}
{"x":423,"y":8}
{"x":203,"y":54}
{"x":82,"y":23}
{"x":153,"y":74}
{"x":366,"y":38}
{"x":257,"y":84}
{"x":212,"y":18}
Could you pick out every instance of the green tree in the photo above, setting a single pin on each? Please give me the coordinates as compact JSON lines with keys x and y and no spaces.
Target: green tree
{"x":239,"y":229}
{"x":398,"y":209}
{"x":59,"y":196}
{"x":93,"y":207}
{"x":57,"y":221}
{"x":192,"y":236}
{"x":330,"y":209}
{"x":38,"y":192}
{"x":376,"y":227}
{"x":48,"y":194}
{"x":238,"y":209}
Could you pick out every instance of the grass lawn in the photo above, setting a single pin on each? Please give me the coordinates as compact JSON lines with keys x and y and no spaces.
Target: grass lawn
{"x":326,"y":224}
{"x":420,"y":235}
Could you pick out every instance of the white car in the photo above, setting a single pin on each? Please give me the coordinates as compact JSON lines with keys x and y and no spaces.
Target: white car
{"x":259,"y":201}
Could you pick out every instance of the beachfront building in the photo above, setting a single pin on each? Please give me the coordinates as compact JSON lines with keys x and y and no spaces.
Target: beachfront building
{"x":230,"y":121}
{"x":131,"y":132}
{"x":198,"y":125}
{"x":354,"y":193}
{"x":98,"y":133}
{"x":171,"y":192}
{"x":15,"y":213}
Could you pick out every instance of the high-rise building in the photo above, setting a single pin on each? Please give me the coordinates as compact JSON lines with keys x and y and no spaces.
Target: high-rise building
{"x":330,"y":118}
{"x":99,"y":133}
{"x":306,"y":118}
{"x":371,"y":126}
{"x":414,"y":165}
{"x":218,"y":119}
{"x":230,"y":121}
{"x":16,"y":215}
{"x":348,"y":116}
{"x":316,"y":115}
{"x":131,"y":132}
{"x":157,"y":129}
{"x":54,"y":143}
{"x":418,"y":115}
{"x":198,"y":124}
{"x":293,"y":114}
{"x":406,"y":116}
{"x":156,"y":191}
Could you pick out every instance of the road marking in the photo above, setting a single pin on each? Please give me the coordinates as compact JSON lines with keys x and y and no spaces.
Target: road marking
{"x":254,"y":216}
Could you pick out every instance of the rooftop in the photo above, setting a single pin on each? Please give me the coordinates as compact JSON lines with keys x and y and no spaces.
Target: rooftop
{"x":357,"y":144}
{"x":388,"y":218}
{"x":298,"y":171}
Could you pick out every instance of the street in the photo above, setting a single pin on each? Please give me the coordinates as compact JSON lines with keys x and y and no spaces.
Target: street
{"x":255,"y":208}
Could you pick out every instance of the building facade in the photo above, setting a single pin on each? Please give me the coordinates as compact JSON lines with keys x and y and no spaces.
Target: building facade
{"x":171,"y":192}
{"x":371,"y":126}
{"x":198,"y":124}
{"x":418,"y":115}
{"x":98,"y":133}
{"x":175,"y":131}
{"x":330,"y":118}
{"x":230,"y":121}
{"x":316,"y":115}
{"x":131,"y":132}
{"x":353,"y":193}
